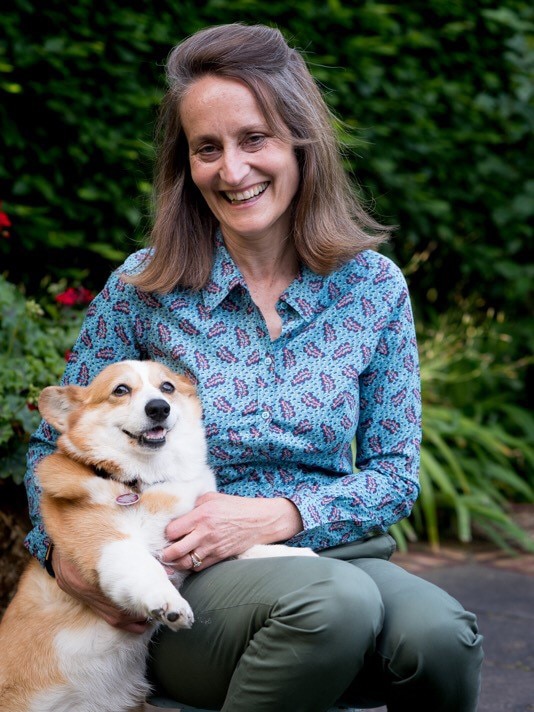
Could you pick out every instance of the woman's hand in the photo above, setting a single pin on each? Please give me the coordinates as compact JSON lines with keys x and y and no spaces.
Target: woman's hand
{"x":69,"y":579}
{"x":221,"y":526}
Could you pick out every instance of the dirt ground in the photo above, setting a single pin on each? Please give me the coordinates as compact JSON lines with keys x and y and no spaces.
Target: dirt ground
{"x":14,"y":525}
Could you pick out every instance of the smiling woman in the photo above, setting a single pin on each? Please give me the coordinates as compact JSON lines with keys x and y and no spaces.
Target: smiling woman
{"x":247,"y":176}
{"x":262,"y":284}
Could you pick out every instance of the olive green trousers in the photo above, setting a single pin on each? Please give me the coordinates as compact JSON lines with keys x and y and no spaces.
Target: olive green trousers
{"x":298,"y":634}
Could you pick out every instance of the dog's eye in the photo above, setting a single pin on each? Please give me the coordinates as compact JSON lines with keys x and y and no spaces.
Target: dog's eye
{"x":121,"y":390}
{"x":167,"y":387}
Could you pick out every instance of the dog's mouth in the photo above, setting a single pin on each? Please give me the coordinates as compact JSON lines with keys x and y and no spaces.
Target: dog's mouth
{"x":152,"y":438}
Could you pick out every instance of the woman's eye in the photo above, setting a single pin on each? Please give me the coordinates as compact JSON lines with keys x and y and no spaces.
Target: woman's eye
{"x":121,"y":390}
{"x":207,"y":152}
{"x":255,"y":140}
{"x":167,"y":387}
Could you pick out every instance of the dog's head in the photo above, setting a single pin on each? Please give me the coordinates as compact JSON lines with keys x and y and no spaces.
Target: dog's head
{"x":132,"y":413}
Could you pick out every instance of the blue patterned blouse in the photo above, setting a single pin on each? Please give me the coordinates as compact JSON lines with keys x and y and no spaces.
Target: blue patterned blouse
{"x":280,"y":416}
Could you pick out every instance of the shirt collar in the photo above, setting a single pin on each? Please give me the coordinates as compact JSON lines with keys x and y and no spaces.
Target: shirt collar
{"x":307,"y":294}
{"x":225,"y":275}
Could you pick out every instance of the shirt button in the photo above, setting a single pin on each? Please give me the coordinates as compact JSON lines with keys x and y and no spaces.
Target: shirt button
{"x":268,"y":360}
{"x":265,"y":414}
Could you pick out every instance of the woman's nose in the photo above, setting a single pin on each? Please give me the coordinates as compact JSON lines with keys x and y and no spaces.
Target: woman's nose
{"x":234,"y":167}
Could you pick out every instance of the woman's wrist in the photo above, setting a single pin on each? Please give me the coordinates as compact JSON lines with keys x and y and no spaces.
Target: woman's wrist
{"x":287,"y":521}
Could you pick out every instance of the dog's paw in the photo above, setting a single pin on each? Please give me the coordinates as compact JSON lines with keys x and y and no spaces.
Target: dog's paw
{"x":175,"y":613}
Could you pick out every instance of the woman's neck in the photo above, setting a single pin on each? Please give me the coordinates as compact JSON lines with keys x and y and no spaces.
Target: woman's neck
{"x":269,"y":264}
{"x":268,"y":269}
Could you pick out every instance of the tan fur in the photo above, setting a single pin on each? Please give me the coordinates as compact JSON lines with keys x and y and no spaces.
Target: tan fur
{"x":33,"y":589}
{"x":158,"y":502}
{"x":70,"y":514}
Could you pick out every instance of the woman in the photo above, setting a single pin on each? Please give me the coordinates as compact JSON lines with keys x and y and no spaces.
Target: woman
{"x":262,"y":285}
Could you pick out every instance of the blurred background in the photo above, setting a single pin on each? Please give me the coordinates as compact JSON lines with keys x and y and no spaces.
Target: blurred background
{"x":434,"y":100}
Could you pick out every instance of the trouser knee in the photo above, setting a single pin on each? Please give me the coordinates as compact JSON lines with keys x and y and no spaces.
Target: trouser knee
{"x":443,"y":660}
{"x":341,"y":613}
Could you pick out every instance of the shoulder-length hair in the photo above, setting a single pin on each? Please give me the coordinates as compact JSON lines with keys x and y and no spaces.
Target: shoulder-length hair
{"x":329,"y":226}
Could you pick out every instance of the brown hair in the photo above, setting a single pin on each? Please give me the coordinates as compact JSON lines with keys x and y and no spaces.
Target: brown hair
{"x":329,"y":224}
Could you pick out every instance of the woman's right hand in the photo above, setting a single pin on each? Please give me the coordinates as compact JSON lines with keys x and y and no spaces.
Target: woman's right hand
{"x":70,"y":581}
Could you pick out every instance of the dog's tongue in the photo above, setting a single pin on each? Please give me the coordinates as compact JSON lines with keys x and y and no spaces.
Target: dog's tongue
{"x":154,"y":434}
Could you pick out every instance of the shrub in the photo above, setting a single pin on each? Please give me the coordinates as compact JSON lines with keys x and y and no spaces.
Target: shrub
{"x":435,"y":96}
{"x":478,"y":446}
{"x":33,"y":346}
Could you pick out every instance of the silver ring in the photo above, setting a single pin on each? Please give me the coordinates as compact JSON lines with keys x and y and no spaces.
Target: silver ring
{"x":195,"y":560}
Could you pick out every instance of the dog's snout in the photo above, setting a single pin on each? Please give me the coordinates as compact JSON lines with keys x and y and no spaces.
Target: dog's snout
{"x":157,"y":409}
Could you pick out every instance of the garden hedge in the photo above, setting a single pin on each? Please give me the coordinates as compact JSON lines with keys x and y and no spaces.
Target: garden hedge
{"x":435,"y":95}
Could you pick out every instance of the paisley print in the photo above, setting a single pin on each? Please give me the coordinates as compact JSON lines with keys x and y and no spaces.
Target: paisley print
{"x":280,"y":416}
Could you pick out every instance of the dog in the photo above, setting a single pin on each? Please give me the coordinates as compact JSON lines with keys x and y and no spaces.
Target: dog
{"x":131,"y":456}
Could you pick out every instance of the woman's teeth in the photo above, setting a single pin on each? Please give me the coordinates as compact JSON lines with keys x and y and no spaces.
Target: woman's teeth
{"x":246,"y":194}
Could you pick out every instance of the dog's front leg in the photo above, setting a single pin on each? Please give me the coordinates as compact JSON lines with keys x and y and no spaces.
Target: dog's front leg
{"x":137,"y":582}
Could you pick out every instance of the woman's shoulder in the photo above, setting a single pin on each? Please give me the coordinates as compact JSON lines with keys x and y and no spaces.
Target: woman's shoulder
{"x":135,"y":262}
{"x":371,"y":266}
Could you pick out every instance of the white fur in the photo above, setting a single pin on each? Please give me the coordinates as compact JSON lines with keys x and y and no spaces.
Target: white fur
{"x":105,"y":669}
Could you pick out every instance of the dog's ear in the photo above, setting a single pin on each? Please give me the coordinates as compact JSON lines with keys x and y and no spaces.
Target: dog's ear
{"x":56,"y":403}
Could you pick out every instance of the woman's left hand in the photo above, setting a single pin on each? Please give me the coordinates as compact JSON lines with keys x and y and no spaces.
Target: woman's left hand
{"x":221,"y":526}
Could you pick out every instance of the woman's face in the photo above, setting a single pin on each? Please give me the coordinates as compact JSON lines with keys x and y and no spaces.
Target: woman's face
{"x":247,"y":176}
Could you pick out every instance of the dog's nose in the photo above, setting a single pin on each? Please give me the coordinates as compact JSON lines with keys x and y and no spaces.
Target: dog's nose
{"x":157,"y":409}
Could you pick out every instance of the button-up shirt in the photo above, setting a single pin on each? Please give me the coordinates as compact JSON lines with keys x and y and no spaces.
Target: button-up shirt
{"x":326,"y":415}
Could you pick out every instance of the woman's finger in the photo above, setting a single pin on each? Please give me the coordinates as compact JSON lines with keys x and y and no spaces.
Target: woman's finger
{"x":69,"y":580}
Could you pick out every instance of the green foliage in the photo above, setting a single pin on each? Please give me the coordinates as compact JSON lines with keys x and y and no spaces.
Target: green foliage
{"x":33,"y":345}
{"x":478,"y":448}
{"x":435,"y":97}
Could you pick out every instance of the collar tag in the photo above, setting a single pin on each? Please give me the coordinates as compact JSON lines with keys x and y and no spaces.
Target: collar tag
{"x":127,"y":499}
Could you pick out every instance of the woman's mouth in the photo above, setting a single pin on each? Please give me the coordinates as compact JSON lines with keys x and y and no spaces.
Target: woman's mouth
{"x":236,"y":197}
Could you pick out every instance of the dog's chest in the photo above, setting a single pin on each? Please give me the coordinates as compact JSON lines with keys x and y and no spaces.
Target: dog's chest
{"x":146,"y":515}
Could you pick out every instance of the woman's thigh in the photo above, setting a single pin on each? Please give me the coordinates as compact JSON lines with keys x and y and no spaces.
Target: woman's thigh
{"x":281,"y":633}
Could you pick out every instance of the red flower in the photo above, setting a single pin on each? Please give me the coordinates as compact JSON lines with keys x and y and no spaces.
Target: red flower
{"x":67,"y":298}
{"x":31,"y":406}
{"x":5,"y":223}
{"x":74,"y":296}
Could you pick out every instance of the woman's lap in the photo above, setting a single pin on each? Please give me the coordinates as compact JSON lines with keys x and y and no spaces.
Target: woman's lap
{"x":293,"y":633}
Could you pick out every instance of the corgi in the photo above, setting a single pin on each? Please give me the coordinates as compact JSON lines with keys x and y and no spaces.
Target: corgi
{"x":131,"y":456}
